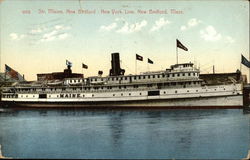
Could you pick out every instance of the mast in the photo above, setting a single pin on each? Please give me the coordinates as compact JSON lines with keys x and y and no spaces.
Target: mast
{"x":176,"y":54}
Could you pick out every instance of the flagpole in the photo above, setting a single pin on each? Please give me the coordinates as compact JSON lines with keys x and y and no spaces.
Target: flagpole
{"x":82,"y":79}
{"x":135,"y":66}
{"x":176,"y":54}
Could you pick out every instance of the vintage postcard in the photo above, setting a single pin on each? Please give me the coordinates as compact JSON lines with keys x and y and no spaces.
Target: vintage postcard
{"x":177,"y":68}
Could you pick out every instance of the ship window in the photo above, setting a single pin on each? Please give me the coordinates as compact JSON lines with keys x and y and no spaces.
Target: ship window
{"x":125,"y":87}
{"x":194,"y":74}
{"x":167,"y":75}
{"x":187,"y":90}
{"x":150,"y":85}
{"x":140,"y":93}
{"x":164,"y":92}
{"x":175,"y":91}
{"x":178,"y":75}
{"x":92,"y":95}
{"x":139,"y":77}
{"x":153,"y":76}
{"x":129,"y":94}
{"x":26,"y":95}
{"x":196,"y":90}
{"x":224,"y":89}
{"x":215,"y":89}
{"x":135,"y":86}
{"x":113,"y":94}
{"x":95,"y":79}
{"x":183,"y":74}
{"x":42,"y":95}
{"x":117,"y":78}
{"x":121,"y":94}
{"x":153,"y":93}
{"x":120,"y":87}
{"x":158,"y":76}
{"x":112,"y":79}
{"x":148,"y":76}
{"x":173,"y":75}
{"x":125,"y":78}
{"x":144,"y":77}
{"x":189,"y":74}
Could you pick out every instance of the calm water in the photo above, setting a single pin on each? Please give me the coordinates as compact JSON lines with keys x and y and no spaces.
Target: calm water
{"x":78,"y":133}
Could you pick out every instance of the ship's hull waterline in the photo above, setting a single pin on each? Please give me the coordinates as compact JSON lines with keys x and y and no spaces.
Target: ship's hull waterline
{"x":234,"y":101}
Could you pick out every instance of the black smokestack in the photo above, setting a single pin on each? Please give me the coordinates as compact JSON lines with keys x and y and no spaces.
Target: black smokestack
{"x":115,"y":65}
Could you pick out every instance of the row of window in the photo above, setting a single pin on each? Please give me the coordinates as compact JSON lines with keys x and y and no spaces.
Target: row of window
{"x":108,"y":87}
{"x":15,"y":96}
{"x":148,"y":76}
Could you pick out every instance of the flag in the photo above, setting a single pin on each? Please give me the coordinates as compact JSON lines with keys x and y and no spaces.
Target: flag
{"x":11,"y":72}
{"x":68,"y":63}
{"x":138,"y":57}
{"x":180,"y":45}
{"x":84,"y":66}
{"x":150,"y":61}
{"x":245,"y":61}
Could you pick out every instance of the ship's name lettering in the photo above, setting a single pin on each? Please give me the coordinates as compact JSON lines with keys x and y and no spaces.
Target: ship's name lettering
{"x":70,"y":95}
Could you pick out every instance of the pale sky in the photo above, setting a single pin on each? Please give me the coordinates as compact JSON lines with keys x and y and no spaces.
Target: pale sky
{"x":215,"y":33}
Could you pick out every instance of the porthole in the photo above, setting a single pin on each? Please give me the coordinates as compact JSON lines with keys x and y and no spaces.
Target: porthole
{"x":140,"y":93}
{"x":121,"y":94}
{"x":92,"y":95}
{"x":187,"y":90}
{"x":175,"y":91}
{"x":164,"y":92}
{"x":113,"y":94}
{"x":196,"y":90}
{"x":129,"y":94}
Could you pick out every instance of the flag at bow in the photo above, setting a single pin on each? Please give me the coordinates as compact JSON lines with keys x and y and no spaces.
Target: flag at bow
{"x":11,"y":72}
{"x":180,"y":45}
{"x":84,"y":66}
{"x":245,"y":61}
{"x":68,"y":63}
{"x":150,"y":61}
{"x":138,"y":57}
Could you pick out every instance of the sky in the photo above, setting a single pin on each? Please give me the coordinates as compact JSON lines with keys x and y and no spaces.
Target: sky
{"x":39,"y":36}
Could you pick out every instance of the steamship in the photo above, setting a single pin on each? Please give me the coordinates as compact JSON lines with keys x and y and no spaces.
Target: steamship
{"x":176,"y":87}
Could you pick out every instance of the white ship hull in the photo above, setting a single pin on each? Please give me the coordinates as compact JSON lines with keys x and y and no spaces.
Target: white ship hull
{"x":203,"y":102}
{"x":223,"y":96}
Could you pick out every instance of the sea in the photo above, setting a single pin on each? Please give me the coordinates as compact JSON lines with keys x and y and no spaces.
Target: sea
{"x":124,"y":133}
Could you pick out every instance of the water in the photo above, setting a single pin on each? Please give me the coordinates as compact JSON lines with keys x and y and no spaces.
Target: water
{"x":144,"y":134}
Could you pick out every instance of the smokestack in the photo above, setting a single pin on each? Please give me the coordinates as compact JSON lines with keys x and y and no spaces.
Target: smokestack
{"x":115,"y":65}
